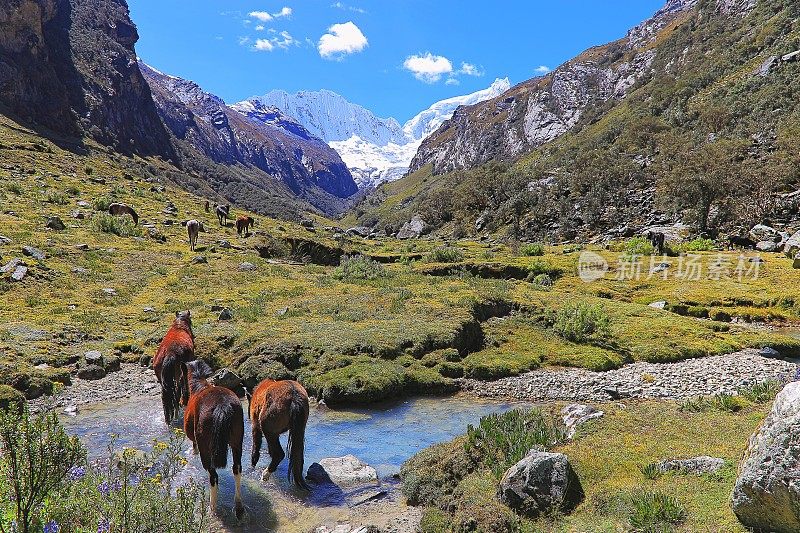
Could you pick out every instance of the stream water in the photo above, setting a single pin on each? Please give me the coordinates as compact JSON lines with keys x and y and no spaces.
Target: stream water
{"x":383,"y":436}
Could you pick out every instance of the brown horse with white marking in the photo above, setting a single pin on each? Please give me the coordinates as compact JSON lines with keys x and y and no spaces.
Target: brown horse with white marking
{"x":277,"y":407}
{"x":177,"y":347}
{"x":244,"y":224}
{"x":213,"y":421}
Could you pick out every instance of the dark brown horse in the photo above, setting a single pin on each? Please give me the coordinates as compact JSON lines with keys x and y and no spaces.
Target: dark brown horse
{"x":277,"y":407}
{"x":176,"y":347}
{"x":223,"y":213}
{"x":213,"y":420}
{"x":118,"y":209}
{"x":243,"y":224}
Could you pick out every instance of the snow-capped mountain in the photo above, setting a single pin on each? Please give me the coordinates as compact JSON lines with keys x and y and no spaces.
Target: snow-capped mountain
{"x":375,"y":149}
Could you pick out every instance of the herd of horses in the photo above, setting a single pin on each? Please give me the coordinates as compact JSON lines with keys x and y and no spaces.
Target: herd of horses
{"x":213,"y":417}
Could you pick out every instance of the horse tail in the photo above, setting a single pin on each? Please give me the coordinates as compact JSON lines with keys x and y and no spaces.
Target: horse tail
{"x":134,"y":216}
{"x":222,"y":422}
{"x":298,"y":416}
{"x":169,"y":397}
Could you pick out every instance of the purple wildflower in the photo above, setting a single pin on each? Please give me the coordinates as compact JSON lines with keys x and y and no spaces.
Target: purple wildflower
{"x":51,"y":527}
{"x":103,"y":526}
{"x":104,"y":488}
{"x":133,"y":480}
{"x":76,"y":473}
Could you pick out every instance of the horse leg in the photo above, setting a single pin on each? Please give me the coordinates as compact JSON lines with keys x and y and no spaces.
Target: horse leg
{"x":275,"y":452}
{"x":213,"y":480}
{"x":236,"y":449}
{"x":257,"y":436}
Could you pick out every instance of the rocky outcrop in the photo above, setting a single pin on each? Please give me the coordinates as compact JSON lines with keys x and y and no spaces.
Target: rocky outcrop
{"x":540,"y":484}
{"x":702,"y":464}
{"x":70,"y":66}
{"x":766,"y":496}
{"x":263,"y":138}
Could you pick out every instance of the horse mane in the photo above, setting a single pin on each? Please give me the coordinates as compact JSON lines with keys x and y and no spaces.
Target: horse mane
{"x":195,"y":377}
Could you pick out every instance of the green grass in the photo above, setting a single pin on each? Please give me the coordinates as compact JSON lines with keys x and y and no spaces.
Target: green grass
{"x":653,"y":511}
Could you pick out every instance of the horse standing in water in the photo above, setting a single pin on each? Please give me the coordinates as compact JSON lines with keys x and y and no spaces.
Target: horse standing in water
{"x":277,"y":407}
{"x":176,"y":347}
{"x":213,"y":420}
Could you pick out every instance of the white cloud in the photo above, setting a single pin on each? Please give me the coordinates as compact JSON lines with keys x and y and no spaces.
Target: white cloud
{"x":541,"y":70}
{"x":340,"y":40}
{"x":345,"y":7}
{"x":285,"y":12}
{"x":428,"y":67}
{"x":452,"y":81}
{"x":263,"y":16}
{"x":285,"y":41}
{"x":260,"y":27}
{"x":244,"y":40}
{"x":470,"y":70}
{"x":263,"y":45}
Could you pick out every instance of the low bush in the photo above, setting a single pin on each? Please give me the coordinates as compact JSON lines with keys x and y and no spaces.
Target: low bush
{"x":637,"y":246}
{"x":695,"y":245}
{"x":762,"y":392}
{"x":359,"y":267}
{"x":578,"y":322}
{"x":532,"y":250}
{"x":120,"y":226}
{"x":102,"y":203}
{"x":445,"y":254}
{"x":651,"y":471}
{"x":654,"y":511}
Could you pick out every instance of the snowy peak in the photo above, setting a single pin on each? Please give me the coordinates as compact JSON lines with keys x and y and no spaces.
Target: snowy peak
{"x":329,"y":116}
{"x":429,"y":120}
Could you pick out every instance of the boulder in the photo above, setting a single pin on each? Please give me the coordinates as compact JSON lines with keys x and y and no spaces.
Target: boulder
{"x":541,"y":483}
{"x":361,"y":231}
{"x":765,"y":67}
{"x":413,"y":229}
{"x":792,"y":245}
{"x":791,"y":56}
{"x":702,"y":464}
{"x":199,"y":260}
{"x":225,"y":314}
{"x":577,"y":414}
{"x":224,"y":377}
{"x":660,"y":304}
{"x":55,"y":223}
{"x":91,"y":372}
{"x":770,"y":353}
{"x":766,"y":496}
{"x":307,"y":223}
{"x":30,"y":251}
{"x":4,"y":240}
{"x":343,"y":471}
{"x":796,"y":261}
{"x":247,"y":267}
{"x":760,"y":232}
{"x":93,"y":357}
{"x":767,"y":246}
{"x":11,"y":266}
{"x":19,"y":273}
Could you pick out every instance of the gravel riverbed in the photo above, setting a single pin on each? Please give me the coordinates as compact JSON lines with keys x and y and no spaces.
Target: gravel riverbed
{"x":685,"y":379}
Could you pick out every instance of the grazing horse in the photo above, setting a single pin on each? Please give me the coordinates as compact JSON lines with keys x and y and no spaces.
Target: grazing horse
{"x":208,"y":207}
{"x":223,"y":212}
{"x":243,"y":224}
{"x":657,"y":240}
{"x":277,"y":407}
{"x":177,"y":347}
{"x":214,"y":420}
{"x":741,"y":242}
{"x":193,"y":227}
{"x":118,"y":209}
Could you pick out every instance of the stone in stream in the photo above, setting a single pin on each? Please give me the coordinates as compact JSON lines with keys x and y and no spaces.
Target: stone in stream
{"x":770,"y":353}
{"x":347,"y":470}
{"x":702,"y":464}
{"x":766,"y":496}
{"x":577,"y":414}
{"x":225,"y":377}
{"x":541,"y":483}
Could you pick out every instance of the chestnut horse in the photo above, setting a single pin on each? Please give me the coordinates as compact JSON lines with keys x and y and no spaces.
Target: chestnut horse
{"x":176,"y":347}
{"x":277,"y":407}
{"x":243,"y":224}
{"x":213,"y":420}
{"x":118,"y":209}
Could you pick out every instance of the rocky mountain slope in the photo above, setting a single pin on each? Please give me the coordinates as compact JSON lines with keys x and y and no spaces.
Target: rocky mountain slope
{"x":376,"y":150}
{"x":69,"y":66}
{"x":258,"y":137}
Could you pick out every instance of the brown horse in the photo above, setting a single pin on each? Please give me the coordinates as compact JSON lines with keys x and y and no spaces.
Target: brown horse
{"x":214,"y":420}
{"x":277,"y":407}
{"x":118,"y":209}
{"x":208,"y":207}
{"x":223,"y":213}
{"x":176,"y":347}
{"x":243,"y":224}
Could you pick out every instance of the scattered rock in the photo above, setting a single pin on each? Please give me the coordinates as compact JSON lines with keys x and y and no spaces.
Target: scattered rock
{"x":216,"y":308}
{"x":109,"y":292}
{"x":661,"y":304}
{"x":695,"y":465}
{"x":77,"y":215}
{"x":224,"y":377}
{"x":541,"y":483}
{"x":792,"y":56}
{"x":307,"y":223}
{"x":247,"y":267}
{"x":149,"y":309}
{"x":577,"y":414}
{"x":225,"y":245}
{"x":19,"y":273}
{"x":79,"y":270}
{"x":767,"y":246}
{"x":71,"y":410}
{"x":661,"y":267}
{"x":792,"y":245}
{"x":4,"y":240}
{"x":55,"y":223}
{"x":771,"y":353}
{"x":83,"y":203}
{"x":200,"y":260}
{"x":91,"y":372}
{"x":93,"y":357}
{"x":766,"y":496}
{"x":796,"y":262}
{"x":765,"y":67}
{"x":30,"y":251}
{"x":761,"y":232}
{"x":413,"y":229}
{"x":11,"y":266}
{"x":282,"y":311}
{"x":360,"y":231}
{"x":347,"y":470}
{"x":156,"y":235}
{"x":225,"y":314}
{"x":82,"y":247}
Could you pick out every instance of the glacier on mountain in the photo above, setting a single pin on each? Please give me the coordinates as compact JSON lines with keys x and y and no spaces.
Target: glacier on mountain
{"x":375,"y":149}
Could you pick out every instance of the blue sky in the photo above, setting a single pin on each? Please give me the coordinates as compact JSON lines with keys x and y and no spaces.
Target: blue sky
{"x":393,"y":57}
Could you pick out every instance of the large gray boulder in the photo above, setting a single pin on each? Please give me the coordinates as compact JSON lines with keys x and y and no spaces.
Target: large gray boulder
{"x":702,"y":464}
{"x":792,"y":245}
{"x":343,"y":471}
{"x":541,"y":483}
{"x":766,"y":496}
{"x":413,"y":229}
{"x":760,"y":232}
{"x":767,"y":246}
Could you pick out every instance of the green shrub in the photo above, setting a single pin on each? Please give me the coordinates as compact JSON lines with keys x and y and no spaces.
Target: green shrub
{"x":542,"y":282}
{"x":651,"y":471}
{"x":532,"y":250}
{"x":502,"y":440}
{"x":445,"y":254}
{"x":120,"y":226}
{"x":728,"y":402}
{"x":695,"y":245}
{"x":359,"y":267}
{"x":654,"y":511}
{"x":14,"y":188}
{"x":57,"y":197}
{"x":637,"y":246}
{"x":10,"y":398}
{"x":762,"y":392}
{"x":102,"y":203}
{"x":578,"y":322}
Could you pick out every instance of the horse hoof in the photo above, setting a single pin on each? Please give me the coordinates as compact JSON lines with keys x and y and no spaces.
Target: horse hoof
{"x":265,"y":476}
{"x":239,"y":511}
